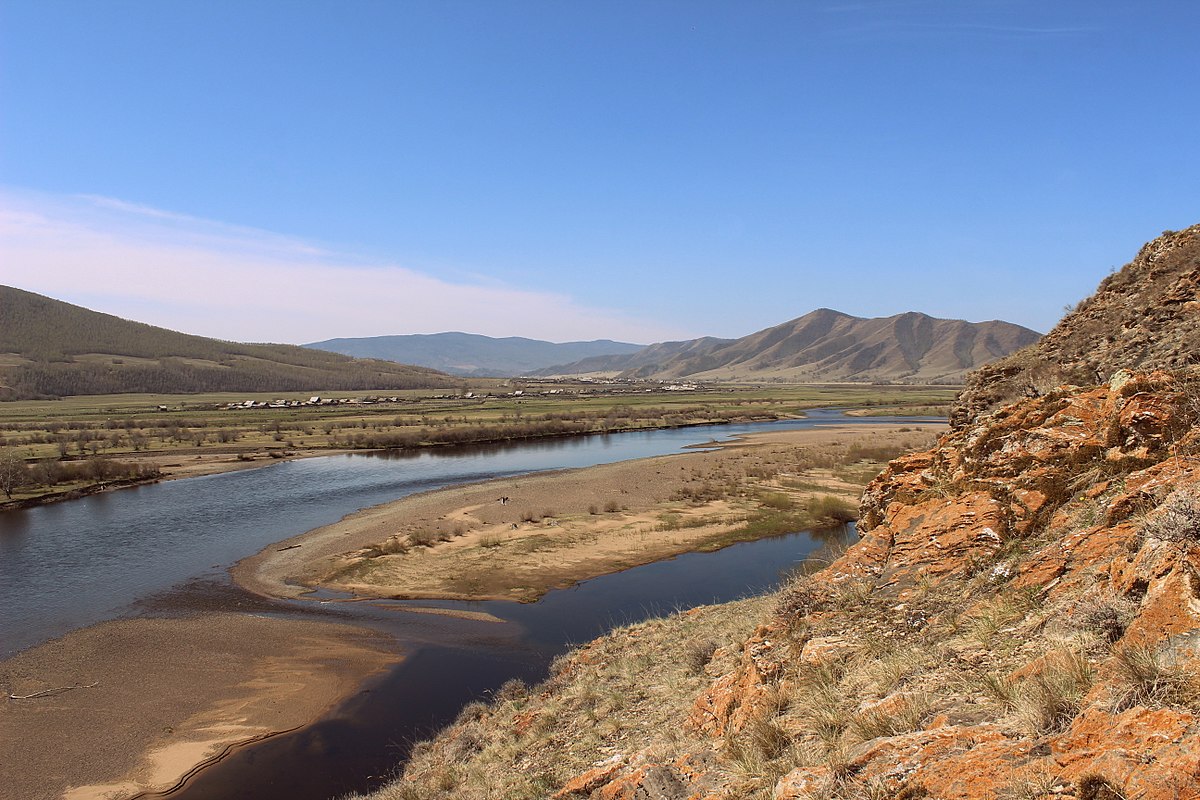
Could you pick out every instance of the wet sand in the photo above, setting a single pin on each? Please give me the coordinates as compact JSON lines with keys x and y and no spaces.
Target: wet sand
{"x":158,"y":698}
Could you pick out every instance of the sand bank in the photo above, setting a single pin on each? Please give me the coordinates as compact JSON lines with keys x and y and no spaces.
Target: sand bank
{"x":516,"y":538}
{"x":160,"y":697}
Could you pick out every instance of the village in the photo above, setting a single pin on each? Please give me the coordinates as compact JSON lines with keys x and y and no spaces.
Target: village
{"x":593,"y":387}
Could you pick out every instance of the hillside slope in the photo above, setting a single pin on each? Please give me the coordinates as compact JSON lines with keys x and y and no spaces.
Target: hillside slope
{"x":827,"y":345}
{"x":1146,"y":316}
{"x":49,"y":348}
{"x":469,"y":354}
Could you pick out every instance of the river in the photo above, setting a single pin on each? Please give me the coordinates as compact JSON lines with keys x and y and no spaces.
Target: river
{"x":167,"y":547}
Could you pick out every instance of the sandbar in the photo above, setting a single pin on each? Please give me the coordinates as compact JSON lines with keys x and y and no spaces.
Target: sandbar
{"x":158,"y":698}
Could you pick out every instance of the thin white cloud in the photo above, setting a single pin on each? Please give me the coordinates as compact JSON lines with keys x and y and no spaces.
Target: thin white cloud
{"x":241,"y":284}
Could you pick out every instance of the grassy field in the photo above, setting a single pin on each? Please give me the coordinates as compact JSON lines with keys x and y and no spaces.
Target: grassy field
{"x":50,"y":436}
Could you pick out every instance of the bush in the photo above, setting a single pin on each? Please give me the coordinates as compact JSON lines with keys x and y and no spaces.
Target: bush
{"x":1155,"y":678}
{"x":829,"y":511}
{"x":422,"y":538}
{"x":697,"y":654}
{"x":1177,"y":519}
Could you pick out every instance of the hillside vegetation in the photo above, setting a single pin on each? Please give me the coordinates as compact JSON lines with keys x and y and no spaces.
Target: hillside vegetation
{"x":49,"y":348}
{"x":825,"y":345}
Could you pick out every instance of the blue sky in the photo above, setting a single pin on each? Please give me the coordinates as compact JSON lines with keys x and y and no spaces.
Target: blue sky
{"x":295,"y":171}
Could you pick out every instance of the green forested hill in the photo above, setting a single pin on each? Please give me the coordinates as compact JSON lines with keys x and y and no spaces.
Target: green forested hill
{"x":49,"y":348}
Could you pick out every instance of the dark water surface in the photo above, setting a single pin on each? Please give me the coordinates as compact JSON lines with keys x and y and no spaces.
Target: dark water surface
{"x":359,"y":746}
{"x":166,"y":548}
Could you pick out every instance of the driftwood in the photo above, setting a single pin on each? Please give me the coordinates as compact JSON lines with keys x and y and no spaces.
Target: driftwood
{"x":55,"y":690}
{"x":289,"y":547}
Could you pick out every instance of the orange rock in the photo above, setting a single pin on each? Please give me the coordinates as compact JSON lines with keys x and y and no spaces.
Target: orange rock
{"x":591,"y":780}
{"x":1148,"y":754}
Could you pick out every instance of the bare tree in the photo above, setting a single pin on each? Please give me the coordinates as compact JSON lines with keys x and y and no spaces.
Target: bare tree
{"x":12,"y":471}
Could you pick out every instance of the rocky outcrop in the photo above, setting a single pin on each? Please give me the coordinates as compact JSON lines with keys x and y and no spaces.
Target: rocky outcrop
{"x":1020,"y":619}
{"x":1146,"y":316}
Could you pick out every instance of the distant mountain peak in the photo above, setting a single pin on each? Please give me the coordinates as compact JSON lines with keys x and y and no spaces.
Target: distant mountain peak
{"x":472,"y":354}
{"x":825,"y":345}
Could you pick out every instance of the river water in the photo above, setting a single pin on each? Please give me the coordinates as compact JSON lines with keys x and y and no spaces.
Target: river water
{"x":166,"y":547}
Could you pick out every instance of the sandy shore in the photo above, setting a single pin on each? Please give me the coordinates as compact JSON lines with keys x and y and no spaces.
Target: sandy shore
{"x":160,"y":697}
{"x":558,"y":528}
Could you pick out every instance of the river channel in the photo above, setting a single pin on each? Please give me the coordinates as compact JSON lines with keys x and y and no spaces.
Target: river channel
{"x":166,"y":548}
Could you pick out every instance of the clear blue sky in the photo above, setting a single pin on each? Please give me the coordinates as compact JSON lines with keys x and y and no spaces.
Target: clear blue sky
{"x":637,"y":170}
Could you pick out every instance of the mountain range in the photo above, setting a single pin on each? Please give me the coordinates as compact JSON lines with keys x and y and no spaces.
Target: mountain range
{"x":49,"y":348}
{"x":472,"y":355}
{"x":824,"y":345}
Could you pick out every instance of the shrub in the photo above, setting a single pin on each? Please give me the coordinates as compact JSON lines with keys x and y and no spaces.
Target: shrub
{"x":394,"y":546}
{"x":828,"y":511}
{"x":612,"y":507}
{"x":512,"y":690}
{"x":1106,"y":617}
{"x":1177,"y":519}
{"x":422,"y":538}
{"x":1155,"y":678}
{"x":777,"y":500}
{"x":1097,"y":787}
{"x":698,"y":654}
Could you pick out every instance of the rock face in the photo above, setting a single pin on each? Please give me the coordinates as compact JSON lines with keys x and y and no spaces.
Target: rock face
{"x":1021,"y":618}
{"x":1005,"y":627}
{"x":1147,"y":316}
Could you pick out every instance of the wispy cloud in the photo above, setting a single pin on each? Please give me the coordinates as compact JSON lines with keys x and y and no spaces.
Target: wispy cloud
{"x":242,"y":284}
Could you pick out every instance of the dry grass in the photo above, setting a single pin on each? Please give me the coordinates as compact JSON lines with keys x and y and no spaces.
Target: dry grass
{"x":1177,"y":519}
{"x":1154,"y":678}
{"x":1047,"y":702}
{"x":632,"y":685}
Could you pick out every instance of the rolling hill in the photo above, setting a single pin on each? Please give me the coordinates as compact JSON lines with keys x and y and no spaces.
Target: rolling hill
{"x":825,"y":345}
{"x":472,"y":355}
{"x":49,"y":348}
